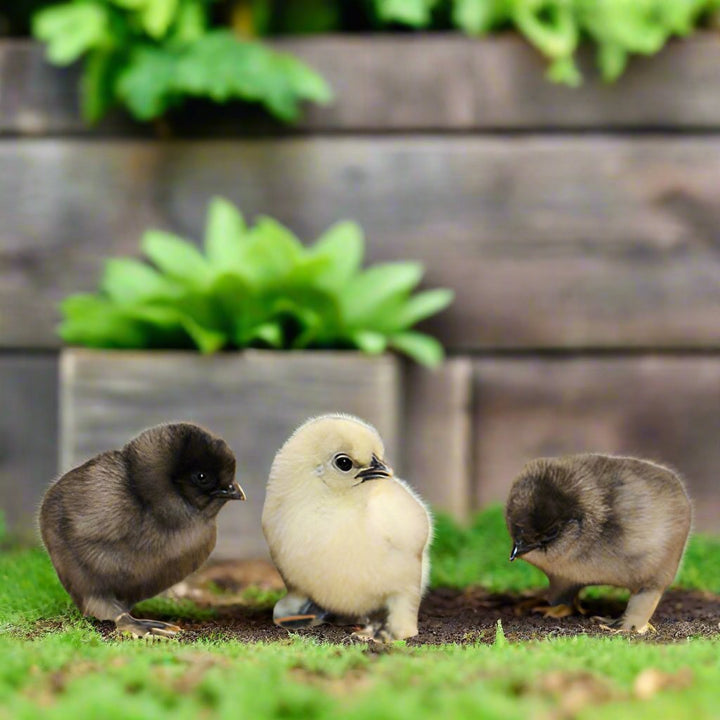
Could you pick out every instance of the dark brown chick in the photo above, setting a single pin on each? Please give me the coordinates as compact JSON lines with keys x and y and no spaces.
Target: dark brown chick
{"x":130,"y":523}
{"x":601,"y":520}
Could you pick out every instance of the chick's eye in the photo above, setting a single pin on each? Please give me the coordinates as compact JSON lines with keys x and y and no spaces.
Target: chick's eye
{"x":202,"y":479}
{"x":343,"y":463}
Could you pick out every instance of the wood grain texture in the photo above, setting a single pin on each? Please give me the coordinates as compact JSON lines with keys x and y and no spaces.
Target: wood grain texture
{"x":410,"y":82}
{"x":254,"y":400}
{"x":28,"y":437}
{"x":437,"y":412}
{"x":660,"y":408}
{"x":548,"y":242}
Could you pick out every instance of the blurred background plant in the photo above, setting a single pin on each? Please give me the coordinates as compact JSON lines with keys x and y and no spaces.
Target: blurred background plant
{"x":256,"y":287}
{"x":149,"y":55}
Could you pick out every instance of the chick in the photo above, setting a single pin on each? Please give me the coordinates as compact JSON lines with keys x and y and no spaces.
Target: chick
{"x":601,"y":520}
{"x":348,"y":538}
{"x":130,"y":523}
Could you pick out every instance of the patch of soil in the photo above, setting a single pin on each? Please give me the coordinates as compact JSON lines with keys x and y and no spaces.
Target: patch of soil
{"x":469,"y":617}
{"x":446,"y":616}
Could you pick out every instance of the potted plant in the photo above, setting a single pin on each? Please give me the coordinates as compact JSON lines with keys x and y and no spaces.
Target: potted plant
{"x":313,"y":327}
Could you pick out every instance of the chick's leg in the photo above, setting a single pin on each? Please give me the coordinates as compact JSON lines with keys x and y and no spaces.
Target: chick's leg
{"x":297,"y":611}
{"x":640,"y":609}
{"x":104,"y":608}
{"x":563,"y":600}
{"x":402,"y":617}
{"x":559,"y":601}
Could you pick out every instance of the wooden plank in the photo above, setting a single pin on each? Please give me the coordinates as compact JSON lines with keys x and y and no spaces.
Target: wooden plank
{"x":254,"y":400}
{"x":548,"y":242}
{"x":28,"y":437}
{"x":664,"y":91}
{"x":437,"y":414}
{"x":412,"y":82}
{"x":660,"y":408}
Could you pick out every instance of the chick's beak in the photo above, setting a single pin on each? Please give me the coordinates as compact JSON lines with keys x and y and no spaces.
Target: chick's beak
{"x":520,"y":548}
{"x":374,"y":471}
{"x":234,"y":492}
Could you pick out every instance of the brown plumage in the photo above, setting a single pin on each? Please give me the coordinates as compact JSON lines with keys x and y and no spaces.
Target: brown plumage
{"x":130,"y":523}
{"x":601,"y":520}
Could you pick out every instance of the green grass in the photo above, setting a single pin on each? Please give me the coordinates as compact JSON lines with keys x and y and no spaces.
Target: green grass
{"x":73,"y":674}
{"x":54,"y":664}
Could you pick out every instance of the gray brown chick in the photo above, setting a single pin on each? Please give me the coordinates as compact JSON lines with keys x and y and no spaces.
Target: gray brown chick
{"x":601,"y":520}
{"x":130,"y":523}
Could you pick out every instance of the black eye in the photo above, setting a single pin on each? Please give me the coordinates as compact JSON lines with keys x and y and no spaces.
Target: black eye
{"x":202,"y":479}
{"x":343,"y":463}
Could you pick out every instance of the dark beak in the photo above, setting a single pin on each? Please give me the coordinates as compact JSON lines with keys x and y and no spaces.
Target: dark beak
{"x":376,"y":470}
{"x":234,"y":492}
{"x":520,"y":548}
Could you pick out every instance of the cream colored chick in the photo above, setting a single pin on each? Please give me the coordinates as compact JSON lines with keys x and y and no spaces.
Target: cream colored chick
{"x":348,"y":538}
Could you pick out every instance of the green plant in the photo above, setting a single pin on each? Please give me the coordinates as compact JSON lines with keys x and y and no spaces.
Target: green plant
{"x":256,"y":287}
{"x":149,"y":55}
{"x":555,"y":27}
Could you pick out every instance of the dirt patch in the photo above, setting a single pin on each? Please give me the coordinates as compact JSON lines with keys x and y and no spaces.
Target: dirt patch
{"x":446,"y":616}
{"x":468,"y":617}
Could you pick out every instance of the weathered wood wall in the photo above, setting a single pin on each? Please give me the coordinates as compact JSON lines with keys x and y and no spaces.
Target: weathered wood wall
{"x":580,"y":230}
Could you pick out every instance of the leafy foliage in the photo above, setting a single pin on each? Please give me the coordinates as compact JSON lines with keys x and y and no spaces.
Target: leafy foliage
{"x":256,"y":287}
{"x":555,"y":27}
{"x":151,"y":54}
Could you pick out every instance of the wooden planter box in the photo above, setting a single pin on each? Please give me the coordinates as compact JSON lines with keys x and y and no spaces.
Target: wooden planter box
{"x":252,"y":399}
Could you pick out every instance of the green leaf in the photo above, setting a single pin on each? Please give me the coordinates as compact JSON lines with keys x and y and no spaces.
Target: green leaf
{"x":479,"y":16}
{"x":369,"y":342}
{"x":71,"y":29}
{"x":97,"y":88}
{"x":550,"y":25}
{"x":300,"y":82}
{"x":273,"y":251}
{"x":190,"y":22}
{"x":157,"y":16}
{"x":269,"y":333}
{"x":612,"y":61}
{"x":421,"y":306}
{"x":565,"y":72}
{"x":416,"y":13}
{"x":95,"y":322}
{"x":130,"y":4}
{"x":222,"y":67}
{"x":176,"y":257}
{"x":368,"y":292}
{"x":128,"y":281}
{"x":224,"y":235}
{"x":343,"y":245}
{"x":147,"y":84}
{"x":422,"y":348}
{"x":207,"y":340}
{"x":234,"y":304}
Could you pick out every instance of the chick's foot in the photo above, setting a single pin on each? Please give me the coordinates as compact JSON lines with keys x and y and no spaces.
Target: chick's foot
{"x":150,"y":629}
{"x":294,"y":612}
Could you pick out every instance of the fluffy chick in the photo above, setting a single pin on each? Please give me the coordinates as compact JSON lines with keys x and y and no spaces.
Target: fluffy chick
{"x":347,"y":536}
{"x":601,"y":520}
{"x":130,"y":523}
